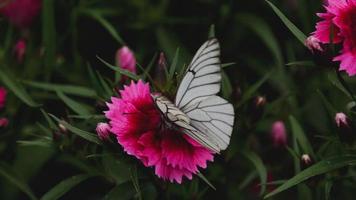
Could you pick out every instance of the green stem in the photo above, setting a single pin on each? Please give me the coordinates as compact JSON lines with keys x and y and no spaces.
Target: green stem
{"x":345,"y":85}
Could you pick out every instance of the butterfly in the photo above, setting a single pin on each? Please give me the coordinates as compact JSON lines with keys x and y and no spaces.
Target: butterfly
{"x":197,"y":110}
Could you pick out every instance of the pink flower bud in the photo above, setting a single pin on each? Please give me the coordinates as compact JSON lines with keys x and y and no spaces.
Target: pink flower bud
{"x":306,"y":160}
{"x":21,"y":13}
{"x":20,"y":50}
{"x":313,"y":43}
{"x":341,"y":120}
{"x":4,"y":122}
{"x":103,"y":131}
{"x":126,"y":59}
{"x":278,"y":134}
{"x":3,"y":93}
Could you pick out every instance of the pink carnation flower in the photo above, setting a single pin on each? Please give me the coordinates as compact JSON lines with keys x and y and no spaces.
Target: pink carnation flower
{"x":21,"y":12}
{"x":340,"y":17}
{"x":278,"y":134}
{"x":136,"y":122}
{"x":20,"y":50}
{"x":2,"y":97}
{"x":126,"y":59}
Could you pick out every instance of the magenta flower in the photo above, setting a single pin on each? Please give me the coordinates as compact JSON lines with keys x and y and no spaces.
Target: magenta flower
{"x":20,"y":50}
{"x":126,"y":59}
{"x":103,"y":131}
{"x":136,"y":123}
{"x":21,"y":13}
{"x":278,"y":134}
{"x":3,"y":94}
{"x":340,"y":17}
{"x":4,"y":122}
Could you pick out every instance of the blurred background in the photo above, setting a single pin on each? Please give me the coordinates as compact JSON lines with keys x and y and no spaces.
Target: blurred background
{"x":273,"y":78}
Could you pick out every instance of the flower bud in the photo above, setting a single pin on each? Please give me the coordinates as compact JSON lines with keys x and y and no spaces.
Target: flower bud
{"x":4,"y":122}
{"x":126,"y":59}
{"x":103,"y":131}
{"x":21,"y":13}
{"x":345,"y":128}
{"x":159,"y":75}
{"x":306,"y":160}
{"x":341,"y":120}
{"x":62,"y":128}
{"x":20,"y":50}
{"x":278,"y":134}
{"x":257,"y":108}
{"x":313,"y":43}
{"x":3,"y":94}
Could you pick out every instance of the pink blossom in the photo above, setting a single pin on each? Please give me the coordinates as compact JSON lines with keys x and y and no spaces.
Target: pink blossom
{"x":313,"y":43}
{"x":138,"y":127}
{"x":278,"y":134}
{"x":21,"y":13}
{"x":4,"y":122}
{"x":3,"y":94}
{"x":103,"y":131}
{"x":340,"y":17}
{"x":341,"y":120}
{"x":20,"y":50}
{"x":126,"y":59}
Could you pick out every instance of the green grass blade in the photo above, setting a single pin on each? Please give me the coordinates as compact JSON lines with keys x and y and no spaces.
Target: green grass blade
{"x":6,"y":173}
{"x":321,"y":167}
{"x":64,"y":186}
{"x":301,"y":137}
{"x":91,"y":137}
{"x":17,"y":88}
{"x":260,"y":167}
{"x":296,"y":32}
{"x":121,"y":71}
{"x":80,"y":109}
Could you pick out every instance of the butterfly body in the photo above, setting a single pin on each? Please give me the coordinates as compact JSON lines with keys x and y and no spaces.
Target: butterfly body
{"x":197,"y":110}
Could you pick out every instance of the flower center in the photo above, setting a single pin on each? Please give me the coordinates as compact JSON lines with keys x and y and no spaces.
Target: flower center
{"x":349,"y":19}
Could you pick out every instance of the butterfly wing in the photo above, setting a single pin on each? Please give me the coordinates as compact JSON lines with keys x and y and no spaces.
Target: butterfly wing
{"x":214,"y":117}
{"x":203,"y":76}
{"x":211,"y":115}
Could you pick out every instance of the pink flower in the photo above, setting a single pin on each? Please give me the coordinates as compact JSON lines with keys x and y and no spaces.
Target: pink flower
{"x":139,"y":129}
{"x":103,"y":130}
{"x":21,"y":13}
{"x":313,"y":43}
{"x":4,"y":122}
{"x":20,"y":50}
{"x":3,"y":94}
{"x":278,"y":134}
{"x":126,"y":59}
{"x":341,"y":120}
{"x":340,"y":18}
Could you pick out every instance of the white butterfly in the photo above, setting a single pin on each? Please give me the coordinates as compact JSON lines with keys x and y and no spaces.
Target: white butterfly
{"x":198,"y":111}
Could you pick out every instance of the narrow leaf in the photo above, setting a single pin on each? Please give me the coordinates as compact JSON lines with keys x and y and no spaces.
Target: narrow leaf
{"x":81,"y":133}
{"x":297,"y":33}
{"x":321,"y":167}
{"x":260,"y":167}
{"x":17,"y":88}
{"x":64,"y":186}
{"x":301,"y":137}
{"x":121,"y":71}
{"x":78,"y":108}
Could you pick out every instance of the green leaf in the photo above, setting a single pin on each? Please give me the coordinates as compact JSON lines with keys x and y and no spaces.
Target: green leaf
{"x":173,"y":67}
{"x":50,"y":122}
{"x":64,"y":186}
{"x":200,"y":175}
{"x":260,"y":167}
{"x":80,"y":109}
{"x":224,"y":65}
{"x":303,"y":63}
{"x":120,"y":70}
{"x":297,"y":33}
{"x":264,"y":32}
{"x":67,"y":89}
{"x":212,"y":31}
{"x":39,"y":142}
{"x":226,"y":87}
{"x":301,"y":137}
{"x":321,"y":167}
{"x":123,"y":191}
{"x":329,"y":107}
{"x":253,"y":89}
{"x":5,"y":171}
{"x":17,"y":88}
{"x":81,"y":133}
{"x":105,"y":23}
{"x":135,"y":182}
